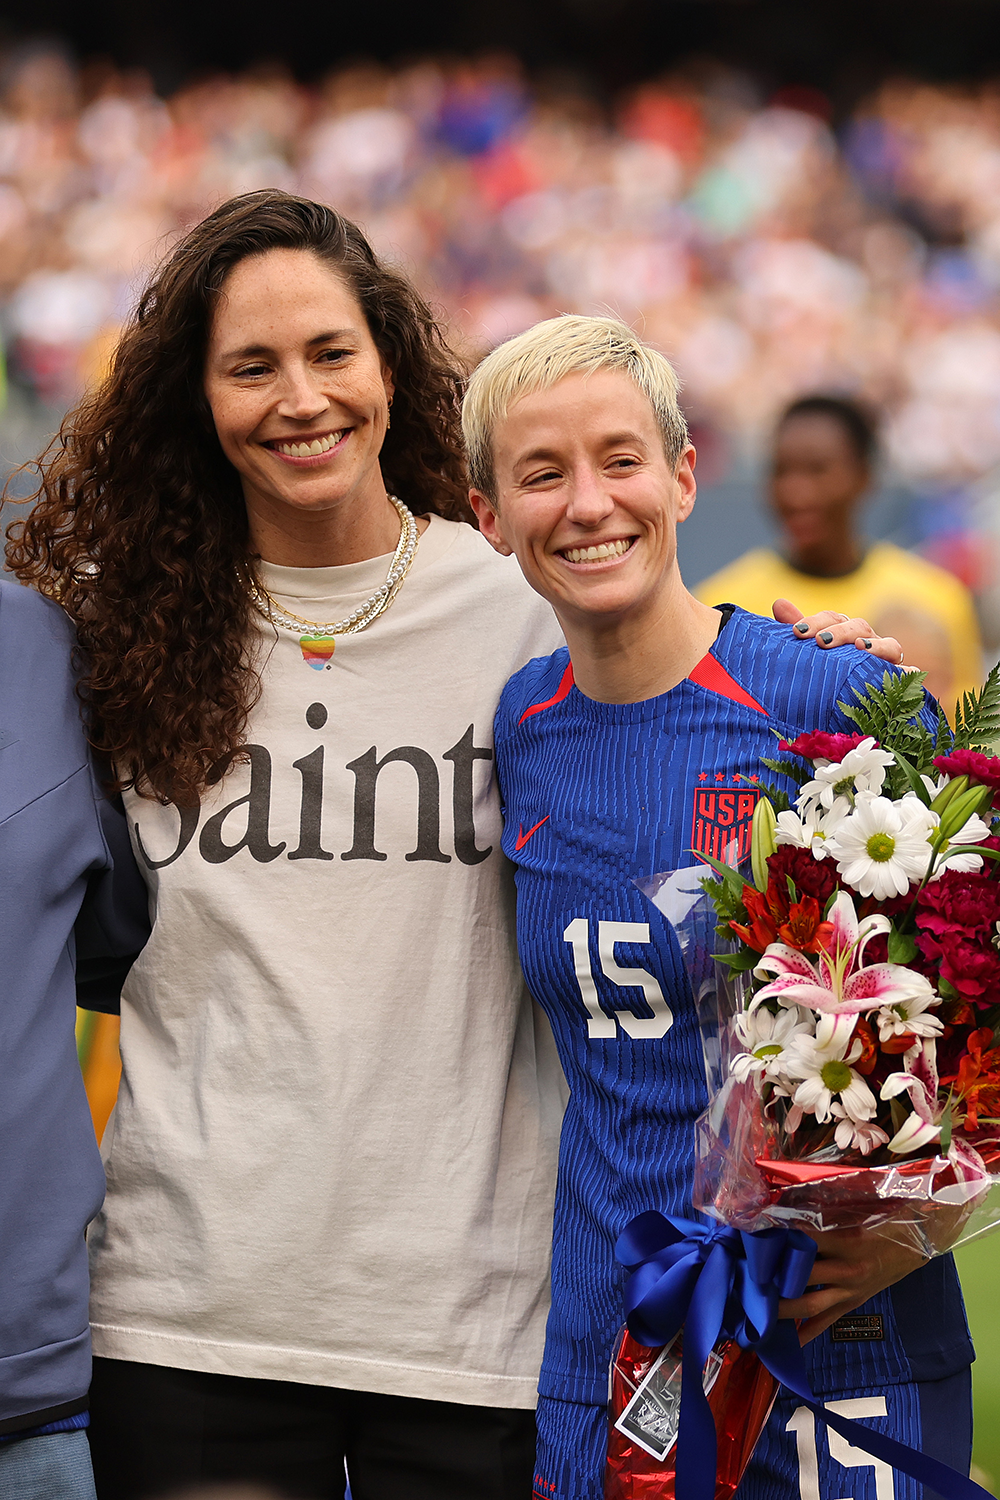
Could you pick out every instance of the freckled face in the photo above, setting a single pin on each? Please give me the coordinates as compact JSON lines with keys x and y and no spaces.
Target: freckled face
{"x":297,"y":388}
{"x":587,"y":500}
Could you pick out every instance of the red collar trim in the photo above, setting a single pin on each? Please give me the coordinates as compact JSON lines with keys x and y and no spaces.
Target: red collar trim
{"x":557,"y":697}
{"x":711,"y":674}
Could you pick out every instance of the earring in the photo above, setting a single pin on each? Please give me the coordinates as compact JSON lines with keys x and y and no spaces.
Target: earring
{"x":388,"y":415}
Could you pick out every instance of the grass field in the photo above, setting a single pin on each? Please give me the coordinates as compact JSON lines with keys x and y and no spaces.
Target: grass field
{"x":977,"y":1265}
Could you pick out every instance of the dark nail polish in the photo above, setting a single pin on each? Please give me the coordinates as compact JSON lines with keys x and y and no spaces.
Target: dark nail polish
{"x":801,"y":627}
{"x":826,"y":636}
{"x":868,"y":645}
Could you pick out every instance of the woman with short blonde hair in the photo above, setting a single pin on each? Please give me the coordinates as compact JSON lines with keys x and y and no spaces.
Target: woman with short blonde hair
{"x":628,"y":752}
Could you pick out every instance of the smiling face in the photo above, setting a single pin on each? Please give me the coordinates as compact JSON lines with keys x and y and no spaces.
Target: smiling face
{"x":299,"y":395}
{"x":586,"y":498}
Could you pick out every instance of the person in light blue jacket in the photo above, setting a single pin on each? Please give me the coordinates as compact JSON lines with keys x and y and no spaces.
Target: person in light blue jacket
{"x":72,"y":918}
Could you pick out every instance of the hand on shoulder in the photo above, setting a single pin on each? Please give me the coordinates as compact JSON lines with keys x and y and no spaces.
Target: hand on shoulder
{"x":829,"y":630}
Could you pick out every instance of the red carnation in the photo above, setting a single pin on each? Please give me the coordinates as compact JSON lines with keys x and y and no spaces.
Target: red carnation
{"x":951,"y":1045}
{"x":820,"y":746}
{"x":959,"y":902}
{"x":974,"y":971}
{"x":982,"y":770}
{"x":877,"y":947}
{"x":812,"y":877}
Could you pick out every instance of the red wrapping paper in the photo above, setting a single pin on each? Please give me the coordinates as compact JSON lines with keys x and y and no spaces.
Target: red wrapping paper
{"x":740,"y":1394}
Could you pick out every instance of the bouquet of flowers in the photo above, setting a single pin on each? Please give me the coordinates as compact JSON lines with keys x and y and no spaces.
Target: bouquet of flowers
{"x":859,"y":1034}
{"x":852,"y":1040}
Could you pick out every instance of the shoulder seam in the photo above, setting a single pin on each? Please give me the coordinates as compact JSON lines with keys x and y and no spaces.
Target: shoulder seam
{"x":48,"y":791}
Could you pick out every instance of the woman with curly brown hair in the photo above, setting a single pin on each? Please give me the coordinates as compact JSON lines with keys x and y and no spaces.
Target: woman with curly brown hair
{"x":331,"y":1167}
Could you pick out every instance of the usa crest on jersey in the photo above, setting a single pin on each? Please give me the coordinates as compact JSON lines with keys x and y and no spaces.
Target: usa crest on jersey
{"x":723,"y":812}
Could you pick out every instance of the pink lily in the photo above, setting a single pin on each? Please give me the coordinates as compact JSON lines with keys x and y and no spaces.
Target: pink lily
{"x":923,"y":1125}
{"x":839,"y":982}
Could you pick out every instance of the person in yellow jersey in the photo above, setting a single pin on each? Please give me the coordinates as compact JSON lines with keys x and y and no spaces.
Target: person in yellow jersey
{"x":821,"y":471}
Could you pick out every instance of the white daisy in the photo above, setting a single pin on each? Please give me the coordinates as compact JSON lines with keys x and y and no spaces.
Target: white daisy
{"x":861,"y":770}
{"x":813,"y":829}
{"x":932,"y":787}
{"x":857,"y":1135}
{"x":910,"y":1016}
{"x":882,"y":847}
{"x":973,"y":832}
{"x":766,"y":1039}
{"x":823,"y":1063}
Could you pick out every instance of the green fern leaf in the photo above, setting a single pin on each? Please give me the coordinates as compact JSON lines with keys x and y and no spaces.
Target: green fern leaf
{"x":889,"y":714}
{"x":795,"y":771}
{"x":943,"y":737}
{"x":977,"y":717}
{"x":778,"y":799}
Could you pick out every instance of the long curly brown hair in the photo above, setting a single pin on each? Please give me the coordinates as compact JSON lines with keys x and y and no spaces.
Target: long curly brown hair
{"x":138,"y":527}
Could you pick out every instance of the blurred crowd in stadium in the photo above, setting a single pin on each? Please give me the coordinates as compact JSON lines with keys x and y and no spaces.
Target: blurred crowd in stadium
{"x":765,"y":252}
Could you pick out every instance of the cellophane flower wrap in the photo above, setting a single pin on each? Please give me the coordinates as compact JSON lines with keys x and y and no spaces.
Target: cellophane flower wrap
{"x":848,"y":991}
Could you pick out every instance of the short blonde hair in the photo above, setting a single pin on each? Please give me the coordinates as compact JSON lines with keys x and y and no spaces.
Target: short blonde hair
{"x":547,"y":353}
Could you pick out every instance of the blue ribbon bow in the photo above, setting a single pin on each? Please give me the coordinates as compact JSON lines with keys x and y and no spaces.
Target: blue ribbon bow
{"x":716,"y":1281}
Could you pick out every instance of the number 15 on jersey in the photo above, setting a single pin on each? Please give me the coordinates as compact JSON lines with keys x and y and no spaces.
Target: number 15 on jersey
{"x":600,"y":1023}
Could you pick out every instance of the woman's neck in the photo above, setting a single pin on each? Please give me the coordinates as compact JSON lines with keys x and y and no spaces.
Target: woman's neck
{"x":832,"y":556}
{"x":344,"y":533}
{"x":628,"y":660}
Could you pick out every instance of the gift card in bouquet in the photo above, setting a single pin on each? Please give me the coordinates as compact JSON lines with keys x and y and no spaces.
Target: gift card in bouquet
{"x":652,"y":1417}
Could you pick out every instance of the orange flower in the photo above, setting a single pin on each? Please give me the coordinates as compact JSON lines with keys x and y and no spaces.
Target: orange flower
{"x":864,"y":1033}
{"x":977,"y":1081}
{"x":895,"y":1046}
{"x":804,"y":929}
{"x":957,"y":1013}
{"x":762,"y":929}
{"x":774,"y":918}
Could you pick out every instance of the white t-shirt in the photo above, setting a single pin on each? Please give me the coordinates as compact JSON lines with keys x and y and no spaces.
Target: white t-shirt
{"x":333,"y":1154}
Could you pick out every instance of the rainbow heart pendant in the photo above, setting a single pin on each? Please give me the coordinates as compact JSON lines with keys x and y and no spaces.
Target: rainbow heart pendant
{"x":317,"y":650}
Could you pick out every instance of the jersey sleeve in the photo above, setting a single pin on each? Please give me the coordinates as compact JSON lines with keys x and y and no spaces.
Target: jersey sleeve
{"x":542,"y":681}
{"x":503,"y":727}
{"x":866,"y":673}
{"x":506,"y":715}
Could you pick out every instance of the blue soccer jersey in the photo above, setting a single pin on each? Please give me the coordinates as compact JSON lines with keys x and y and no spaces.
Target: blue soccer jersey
{"x":596,"y":795}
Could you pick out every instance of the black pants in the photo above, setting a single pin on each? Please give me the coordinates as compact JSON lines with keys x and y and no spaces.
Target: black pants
{"x":155,"y":1429}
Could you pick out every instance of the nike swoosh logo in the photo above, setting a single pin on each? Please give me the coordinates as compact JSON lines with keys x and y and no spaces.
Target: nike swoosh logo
{"x":522,"y":837}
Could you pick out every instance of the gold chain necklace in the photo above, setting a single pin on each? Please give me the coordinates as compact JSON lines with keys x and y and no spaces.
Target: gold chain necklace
{"x":375,"y":605}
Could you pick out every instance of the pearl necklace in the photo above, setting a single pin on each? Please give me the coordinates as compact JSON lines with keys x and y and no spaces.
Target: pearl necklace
{"x":375,"y":605}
